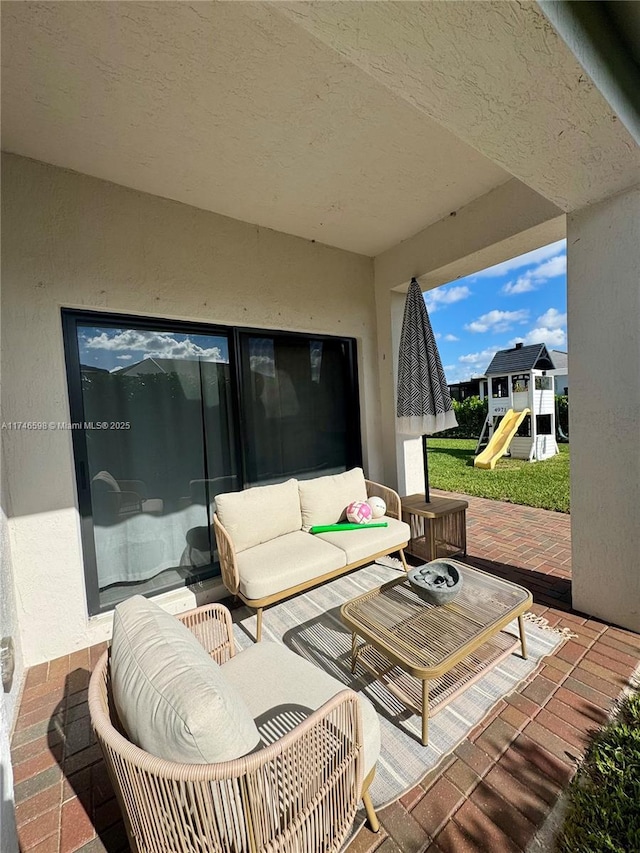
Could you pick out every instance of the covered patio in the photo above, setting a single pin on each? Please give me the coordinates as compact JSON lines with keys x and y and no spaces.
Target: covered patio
{"x":247,"y":176}
{"x":494,"y":792}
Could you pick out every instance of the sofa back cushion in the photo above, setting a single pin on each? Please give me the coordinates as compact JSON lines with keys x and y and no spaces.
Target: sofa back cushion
{"x":325,"y":499}
{"x":172,"y":699}
{"x":260,"y":514}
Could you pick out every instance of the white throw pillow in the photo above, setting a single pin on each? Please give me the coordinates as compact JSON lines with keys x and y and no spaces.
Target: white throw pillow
{"x":258,"y":515}
{"x":324,"y":500}
{"x":171,"y":697}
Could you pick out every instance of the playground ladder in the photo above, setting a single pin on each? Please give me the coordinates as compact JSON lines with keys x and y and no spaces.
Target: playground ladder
{"x":480,"y":440}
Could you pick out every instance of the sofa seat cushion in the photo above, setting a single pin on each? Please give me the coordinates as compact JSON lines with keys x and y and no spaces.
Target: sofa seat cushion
{"x":324,"y":500}
{"x":285,"y":562}
{"x":171,"y":697}
{"x":360,"y":544}
{"x":281,"y":689}
{"x":257,"y":515}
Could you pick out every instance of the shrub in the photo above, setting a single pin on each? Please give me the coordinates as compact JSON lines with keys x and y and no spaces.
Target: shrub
{"x":562,"y":412}
{"x":472,"y":412}
{"x":471,"y":415}
{"x":602,"y":813}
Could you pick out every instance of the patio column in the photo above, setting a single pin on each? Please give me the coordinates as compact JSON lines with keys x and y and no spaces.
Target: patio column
{"x":402,"y":455}
{"x":603,"y":252}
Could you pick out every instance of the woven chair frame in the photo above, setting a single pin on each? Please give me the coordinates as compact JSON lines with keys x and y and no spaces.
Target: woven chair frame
{"x":389,"y":496}
{"x":297,"y":795}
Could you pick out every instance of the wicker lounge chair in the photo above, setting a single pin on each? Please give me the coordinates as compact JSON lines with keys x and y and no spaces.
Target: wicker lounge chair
{"x":300,"y":792}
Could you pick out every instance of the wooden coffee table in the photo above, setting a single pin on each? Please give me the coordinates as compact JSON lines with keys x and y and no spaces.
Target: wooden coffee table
{"x":427,"y":655}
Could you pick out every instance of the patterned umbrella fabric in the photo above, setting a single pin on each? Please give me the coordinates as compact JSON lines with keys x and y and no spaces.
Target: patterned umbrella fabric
{"x":424,"y":402}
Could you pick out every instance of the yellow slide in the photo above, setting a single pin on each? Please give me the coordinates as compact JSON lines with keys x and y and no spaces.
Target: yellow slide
{"x":500,"y":440}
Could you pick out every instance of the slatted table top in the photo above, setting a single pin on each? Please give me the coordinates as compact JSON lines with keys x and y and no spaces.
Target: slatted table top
{"x":436,"y":507}
{"x":426,"y":640}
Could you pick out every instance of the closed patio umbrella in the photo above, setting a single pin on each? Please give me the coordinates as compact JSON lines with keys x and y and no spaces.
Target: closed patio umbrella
{"x":424,"y":402}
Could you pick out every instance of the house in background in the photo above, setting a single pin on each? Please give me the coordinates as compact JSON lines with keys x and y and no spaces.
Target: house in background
{"x":560,"y":372}
{"x":264,"y":180}
{"x":475,"y":387}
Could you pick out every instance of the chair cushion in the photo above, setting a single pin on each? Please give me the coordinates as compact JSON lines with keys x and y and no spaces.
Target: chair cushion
{"x":285,"y":562}
{"x":281,"y":689}
{"x":171,"y":697}
{"x":360,"y":544}
{"x":324,"y":500}
{"x":257,"y":515}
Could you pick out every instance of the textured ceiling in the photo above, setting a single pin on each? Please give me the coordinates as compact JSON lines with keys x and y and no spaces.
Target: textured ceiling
{"x":233,"y":108}
{"x":356,"y":124}
{"x":498,"y":76}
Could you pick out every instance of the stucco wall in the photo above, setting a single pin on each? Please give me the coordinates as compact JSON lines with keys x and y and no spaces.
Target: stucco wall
{"x":9,"y":698}
{"x":70,"y":240}
{"x":603,"y":290}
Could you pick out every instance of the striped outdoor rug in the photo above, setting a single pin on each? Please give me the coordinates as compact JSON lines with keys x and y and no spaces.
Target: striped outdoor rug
{"x":310,"y":625}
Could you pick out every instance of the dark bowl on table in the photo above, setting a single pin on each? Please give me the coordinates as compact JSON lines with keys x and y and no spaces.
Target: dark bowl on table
{"x":437,"y":582}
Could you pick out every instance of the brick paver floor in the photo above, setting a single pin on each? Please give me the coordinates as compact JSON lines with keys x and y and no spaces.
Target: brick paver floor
{"x":491,"y":794}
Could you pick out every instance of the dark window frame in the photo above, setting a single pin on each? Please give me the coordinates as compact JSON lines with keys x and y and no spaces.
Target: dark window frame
{"x":72,"y":318}
{"x":544,"y":424}
{"x":501,"y":385}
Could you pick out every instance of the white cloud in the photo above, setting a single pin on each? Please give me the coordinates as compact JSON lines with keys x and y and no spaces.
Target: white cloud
{"x":533,"y":278}
{"x":552,"y":319}
{"x":445,"y":296}
{"x":543,"y":335}
{"x":535,"y":257}
{"x":456,"y":373}
{"x":523,"y":285}
{"x":497,"y":321}
{"x":153,"y":344}
{"x":451,"y":338}
{"x":477,"y":362}
{"x":552,"y":268}
{"x":550,"y":329}
{"x":123,"y":357}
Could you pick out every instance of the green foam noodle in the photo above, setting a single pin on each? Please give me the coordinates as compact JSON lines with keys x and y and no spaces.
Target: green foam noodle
{"x":330,"y":528}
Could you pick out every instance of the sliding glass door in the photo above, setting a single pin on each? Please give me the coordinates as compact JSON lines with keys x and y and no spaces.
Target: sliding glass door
{"x":167,"y":416}
{"x":154,"y":444}
{"x":299,"y":405}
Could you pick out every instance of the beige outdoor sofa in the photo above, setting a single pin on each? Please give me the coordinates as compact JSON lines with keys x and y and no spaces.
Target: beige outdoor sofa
{"x":266,"y":552}
{"x":209,"y":750}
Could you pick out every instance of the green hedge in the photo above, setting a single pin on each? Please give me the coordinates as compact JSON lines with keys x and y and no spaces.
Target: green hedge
{"x":472,"y":412}
{"x":471,"y":415}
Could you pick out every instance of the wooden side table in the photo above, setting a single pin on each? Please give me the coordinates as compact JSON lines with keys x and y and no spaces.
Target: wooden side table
{"x":438,"y":528}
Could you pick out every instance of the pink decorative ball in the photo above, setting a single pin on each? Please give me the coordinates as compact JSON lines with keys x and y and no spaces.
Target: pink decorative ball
{"x":359,"y":512}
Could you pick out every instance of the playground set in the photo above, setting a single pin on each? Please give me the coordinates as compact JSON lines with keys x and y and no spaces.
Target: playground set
{"x":521,"y":416}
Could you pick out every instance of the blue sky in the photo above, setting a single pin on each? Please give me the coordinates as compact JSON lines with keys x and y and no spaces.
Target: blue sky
{"x":523,"y":299}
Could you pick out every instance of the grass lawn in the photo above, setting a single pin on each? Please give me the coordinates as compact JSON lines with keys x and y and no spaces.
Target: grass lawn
{"x":542,"y":484}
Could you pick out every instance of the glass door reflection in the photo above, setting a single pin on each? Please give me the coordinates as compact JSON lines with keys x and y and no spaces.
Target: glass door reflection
{"x":159,"y":446}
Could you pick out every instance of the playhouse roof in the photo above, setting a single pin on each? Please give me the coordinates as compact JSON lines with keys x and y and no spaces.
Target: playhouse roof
{"x":519,"y":359}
